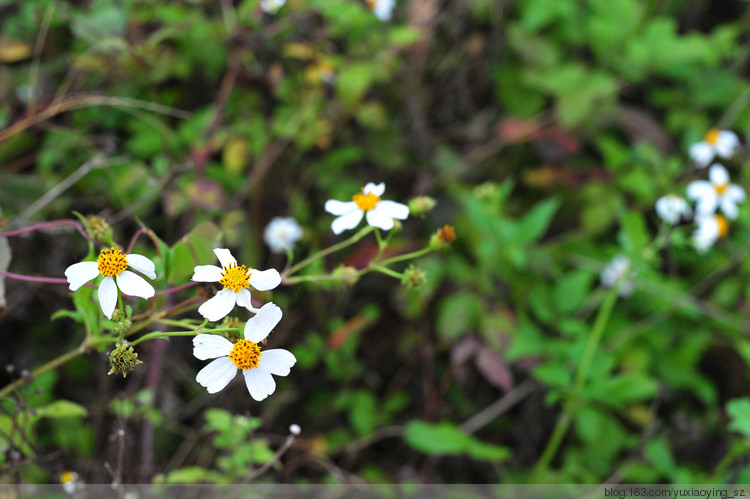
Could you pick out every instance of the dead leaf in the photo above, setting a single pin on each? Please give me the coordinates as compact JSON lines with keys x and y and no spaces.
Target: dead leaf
{"x":494,"y":369}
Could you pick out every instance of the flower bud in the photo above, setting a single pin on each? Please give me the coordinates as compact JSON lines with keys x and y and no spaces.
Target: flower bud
{"x":486,"y":191}
{"x":123,"y":359}
{"x":414,"y":277}
{"x":349,"y":275}
{"x":443,"y":237}
{"x":421,"y":206}
{"x":99,"y":229}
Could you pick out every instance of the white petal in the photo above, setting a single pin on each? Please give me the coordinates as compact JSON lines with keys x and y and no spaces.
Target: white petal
{"x":699,"y":189}
{"x":377,"y":189}
{"x":219,"y":306}
{"x":108,"y":296}
{"x":225,"y":256}
{"x":210,"y":346}
{"x":259,"y":383}
{"x":243,"y":299}
{"x":379,"y":219}
{"x":80,"y":273}
{"x":729,"y":208}
{"x":718,"y":175}
{"x":666,"y":210}
{"x":393,"y":209}
{"x":207,"y":273}
{"x":707,"y":205}
{"x":726,"y":144}
{"x":348,"y":221}
{"x":263,"y":280}
{"x":340,"y":207}
{"x":264,"y":321}
{"x":142,"y":265}
{"x":134,"y":285}
{"x":277,"y":361}
{"x":735,"y":193}
{"x":383,"y":9}
{"x":216,"y":375}
{"x":702,"y":153}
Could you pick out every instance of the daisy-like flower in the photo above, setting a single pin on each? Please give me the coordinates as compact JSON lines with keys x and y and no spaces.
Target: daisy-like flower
{"x":236,"y":281}
{"x":281,"y":234}
{"x":71,"y":482}
{"x":618,"y":270}
{"x":671,"y":208}
{"x":718,"y":192}
{"x":112,"y":264}
{"x":383,"y":9}
{"x":271,"y":6}
{"x":257,"y":366}
{"x":710,"y":229}
{"x":720,"y":143}
{"x":367,"y":203}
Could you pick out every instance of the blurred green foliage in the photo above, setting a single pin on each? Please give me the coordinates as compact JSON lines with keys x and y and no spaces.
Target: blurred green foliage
{"x":545,"y":130}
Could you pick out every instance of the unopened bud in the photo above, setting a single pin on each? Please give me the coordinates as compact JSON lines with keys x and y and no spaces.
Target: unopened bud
{"x":443,"y":237}
{"x":486,"y":191}
{"x":414,"y":277}
{"x":99,"y":229}
{"x":123,"y":359}
{"x":421,"y":206}
{"x":117,"y":315}
{"x":347,"y":274}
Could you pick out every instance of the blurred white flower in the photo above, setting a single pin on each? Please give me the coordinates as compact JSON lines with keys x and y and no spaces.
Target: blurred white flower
{"x":236,"y":281}
{"x":281,"y":234}
{"x":383,"y":9}
{"x":720,"y":143}
{"x":671,"y":208}
{"x":367,"y":203}
{"x":271,"y":6}
{"x":294,"y":429}
{"x":718,"y":192}
{"x":618,"y":270}
{"x":710,"y":229}
{"x":246,"y":354}
{"x":71,"y":482}
{"x":112,"y":264}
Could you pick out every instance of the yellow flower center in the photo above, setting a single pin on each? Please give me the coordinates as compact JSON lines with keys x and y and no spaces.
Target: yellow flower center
{"x":68,"y":476}
{"x":723,"y":225}
{"x":365,"y":202}
{"x":712,"y":136}
{"x":245,"y":354}
{"x":234,"y":277}
{"x":721,"y":188}
{"x":111,"y":262}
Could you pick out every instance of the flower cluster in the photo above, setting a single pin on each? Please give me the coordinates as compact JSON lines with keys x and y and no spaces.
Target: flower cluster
{"x":716,"y":199}
{"x":234,"y":346}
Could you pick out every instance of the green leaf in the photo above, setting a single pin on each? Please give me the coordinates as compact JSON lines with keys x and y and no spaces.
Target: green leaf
{"x":571,"y":291}
{"x":458,"y":314}
{"x":658,"y":453}
{"x":445,"y":438}
{"x":201,"y":240}
{"x":354,"y":81}
{"x":553,"y":374}
{"x":633,"y":235}
{"x":739,"y":414}
{"x":363,"y":412}
{"x":534,"y":224}
{"x":195,"y":474}
{"x":623,"y":389}
{"x":61,"y":409}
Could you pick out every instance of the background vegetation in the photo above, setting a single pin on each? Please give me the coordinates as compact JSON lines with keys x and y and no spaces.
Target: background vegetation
{"x":545,"y":131}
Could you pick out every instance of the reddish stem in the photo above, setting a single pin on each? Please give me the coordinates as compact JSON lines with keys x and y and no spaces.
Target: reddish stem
{"x":176,"y":289}
{"x":31,"y":278}
{"x":47,"y":225}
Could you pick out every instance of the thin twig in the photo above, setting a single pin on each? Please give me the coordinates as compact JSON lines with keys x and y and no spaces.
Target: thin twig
{"x":494,"y":410}
{"x":282,"y":450}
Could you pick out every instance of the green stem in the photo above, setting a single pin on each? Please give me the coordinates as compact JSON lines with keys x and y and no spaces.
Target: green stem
{"x":386,"y":271}
{"x":182,"y":323}
{"x":161,"y":334}
{"x":331,"y":249}
{"x":572,"y":404}
{"x":381,"y":245}
{"x":407,"y":256}
{"x":318,"y":277}
{"x":734,"y":452}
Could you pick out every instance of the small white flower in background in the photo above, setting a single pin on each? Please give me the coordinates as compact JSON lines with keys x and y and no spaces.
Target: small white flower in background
{"x":271,"y":6}
{"x":618,"y":270}
{"x":246,"y":354}
{"x":71,"y":482}
{"x":717,"y":192}
{"x":710,"y":229}
{"x":367,"y":203}
{"x":236,"y":281}
{"x":112,"y":264}
{"x":282,"y":234}
{"x":720,"y":143}
{"x":294,"y":429}
{"x":671,"y":208}
{"x":383,"y":9}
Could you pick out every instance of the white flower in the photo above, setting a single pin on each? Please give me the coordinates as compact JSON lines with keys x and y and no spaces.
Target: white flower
{"x":716,"y":193}
{"x":720,"y":143}
{"x":379,"y":213}
{"x":271,"y":6}
{"x":710,"y":229}
{"x":618,"y":270}
{"x":671,"y":208}
{"x":112,"y":264}
{"x":236,"y":281}
{"x":71,"y":482}
{"x":257,"y":366}
{"x":383,"y":9}
{"x":294,"y":429}
{"x":281,"y":234}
